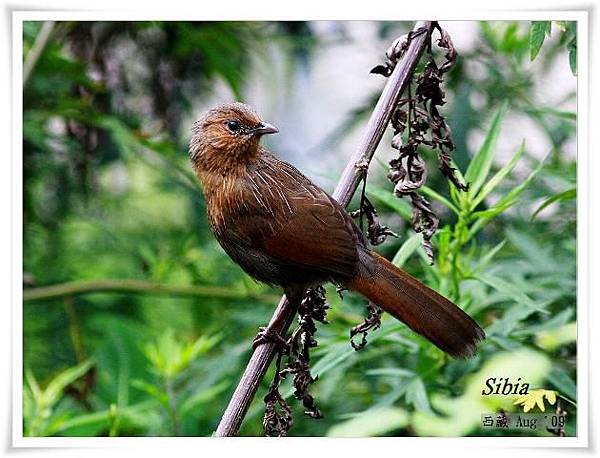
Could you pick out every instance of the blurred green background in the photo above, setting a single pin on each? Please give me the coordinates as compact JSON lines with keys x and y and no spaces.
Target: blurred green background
{"x":135,"y":321}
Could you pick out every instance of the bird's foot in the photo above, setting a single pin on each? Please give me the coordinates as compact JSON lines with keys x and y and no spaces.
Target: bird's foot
{"x":268,"y":335}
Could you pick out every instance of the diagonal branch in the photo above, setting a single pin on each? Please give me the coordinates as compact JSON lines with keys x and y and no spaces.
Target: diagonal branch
{"x":79,"y":287}
{"x":284,"y":314}
{"x":33,"y":56}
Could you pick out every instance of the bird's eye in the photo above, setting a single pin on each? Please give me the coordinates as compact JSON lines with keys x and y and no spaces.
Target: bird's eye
{"x":233,"y":126}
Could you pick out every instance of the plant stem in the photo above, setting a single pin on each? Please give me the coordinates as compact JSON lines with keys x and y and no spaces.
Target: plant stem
{"x":345,"y":189}
{"x":34,"y":54}
{"x":74,"y":329}
{"x":172,"y":406}
{"x":137,"y":286}
{"x":573,"y":403}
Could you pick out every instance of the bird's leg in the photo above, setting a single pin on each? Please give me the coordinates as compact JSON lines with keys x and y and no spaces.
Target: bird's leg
{"x":267,"y":334}
{"x":272,"y":332}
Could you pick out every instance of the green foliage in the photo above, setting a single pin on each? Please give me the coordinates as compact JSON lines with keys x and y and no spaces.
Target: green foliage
{"x":541,"y":29}
{"x":146,"y":392}
{"x":169,"y":357}
{"x":374,"y":422}
{"x":462,"y":414}
{"x":109,"y":195}
{"x":569,"y":194}
{"x":39,"y":404}
{"x":467,"y":269}
{"x":538,"y":32}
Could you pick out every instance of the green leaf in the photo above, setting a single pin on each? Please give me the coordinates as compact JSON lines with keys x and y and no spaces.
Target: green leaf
{"x":539,"y":255}
{"x":499,"y":176}
{"x":336,"y":354}
{"x":33,"y":385}
{"x":201,"y":397}
{"x":427,"y":191}
{"x":537,"y":34}
{"x":506,"y":326}
{"x":170,"y":357}
{"x":481,"y":163}
{"x":554,"y":322}
{"x":92,"y":422}
{"x":504,"y":203}
{"x":417,"y":395}
{"x":549,"y":111}
{"x":461,"y":415}
{"x":373,"y":422}
{"x":487,"y":258}
{"x":572,"y":48}
{"x":406,"y":250}
{"x":563,"y":381}
{"x":99,"y":420}
{"x":152,"y":390}
{"x":569,"y":194}
{"x":394,"y":371}
{"x":507,"y":288}
{"x":119,"y":354}
{"x":387,"y":198}
{"x":55,"y":388}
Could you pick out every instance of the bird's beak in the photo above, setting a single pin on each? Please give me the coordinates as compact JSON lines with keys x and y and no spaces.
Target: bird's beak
{"x":265,"y":128}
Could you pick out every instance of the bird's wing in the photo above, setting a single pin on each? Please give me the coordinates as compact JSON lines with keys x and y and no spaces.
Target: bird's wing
{"x":316,"y":232}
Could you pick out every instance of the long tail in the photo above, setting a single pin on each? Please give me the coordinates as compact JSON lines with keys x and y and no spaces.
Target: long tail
{"x":421,"y":308}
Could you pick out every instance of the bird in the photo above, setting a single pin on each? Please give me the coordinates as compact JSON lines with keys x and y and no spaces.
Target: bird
{"x":284,"y":230}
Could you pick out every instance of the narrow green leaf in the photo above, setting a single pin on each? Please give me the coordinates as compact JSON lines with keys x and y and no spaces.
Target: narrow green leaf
{"x":563,"y":381}
{"x":417,"y":395}
{"x":506,"y":325}
{"x":406,"y":250}
{"x":374,"y":422}
{"x":101,"y":417}
{"x":427,"y":191}
{"x":200,"y":397}
{"x":498,"y":177}
{"x":569,"y":194}
{"x":538,"y":254}
{"x":503,"y":204}
{"x":480,"y":165}
{"x":393,"y":371}
{"x":572,"y":47}
{"x":336,"y":355}
{"x":387,"y":198}
{"x":549,"y":111}
{"x":156,"y":392}
{"x":33,"y":385}
{"x":556,"y":321}
{"x":487,"y":258}
{"x":537,"y":34}
{"x":61,"y":381}
{"x":507,"y":288}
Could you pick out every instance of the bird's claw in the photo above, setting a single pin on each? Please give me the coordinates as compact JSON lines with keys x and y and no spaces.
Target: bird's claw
{"x":267,"y":335}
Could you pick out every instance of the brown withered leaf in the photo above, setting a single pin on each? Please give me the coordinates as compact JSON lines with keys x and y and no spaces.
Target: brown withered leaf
{"x":371,"y":322}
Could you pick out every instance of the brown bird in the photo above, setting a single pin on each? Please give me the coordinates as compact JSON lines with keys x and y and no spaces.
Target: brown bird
{"x":282,"y":229}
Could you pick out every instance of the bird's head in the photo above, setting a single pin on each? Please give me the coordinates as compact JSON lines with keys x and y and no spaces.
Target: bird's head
{"x":226,"y":136}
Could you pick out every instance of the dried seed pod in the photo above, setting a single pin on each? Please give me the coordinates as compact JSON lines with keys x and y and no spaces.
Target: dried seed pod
{"x":426,"y":127}
{"x":371,"y":322}
{"x":396,"y":175}
{"x":278,"y":419}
